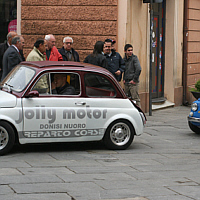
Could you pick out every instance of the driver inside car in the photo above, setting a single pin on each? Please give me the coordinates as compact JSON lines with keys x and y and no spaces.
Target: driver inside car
{"x":60,"y":85}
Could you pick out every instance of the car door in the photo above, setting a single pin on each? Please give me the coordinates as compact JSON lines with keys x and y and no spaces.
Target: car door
{"x":101,"y":104}
{"x":54,"y":117}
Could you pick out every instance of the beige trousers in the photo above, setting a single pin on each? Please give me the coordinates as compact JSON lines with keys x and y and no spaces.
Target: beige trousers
{"x":132,"y":91}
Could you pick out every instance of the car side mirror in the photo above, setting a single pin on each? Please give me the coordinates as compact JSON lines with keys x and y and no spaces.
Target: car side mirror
{"x":33,"y":93}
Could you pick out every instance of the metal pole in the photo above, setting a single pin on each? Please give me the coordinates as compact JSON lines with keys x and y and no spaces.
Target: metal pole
{"x":150,"y":60}
{"x":185,"y":49}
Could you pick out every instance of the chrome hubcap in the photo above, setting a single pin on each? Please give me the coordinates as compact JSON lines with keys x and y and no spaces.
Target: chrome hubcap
{"x":120,"y":134}
{"x":3,"y":137}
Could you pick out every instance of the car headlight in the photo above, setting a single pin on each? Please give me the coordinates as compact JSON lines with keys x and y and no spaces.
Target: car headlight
{"x":194,"y":106}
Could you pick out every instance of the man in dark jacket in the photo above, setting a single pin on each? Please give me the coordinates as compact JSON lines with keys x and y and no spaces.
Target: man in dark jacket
{"x":61,"y":86}
{"x":67,"y":52}
{"x":115,"y":62}
{"x":12,"y":56}
{"x":131,"y":73}
{"x":4,"y":47}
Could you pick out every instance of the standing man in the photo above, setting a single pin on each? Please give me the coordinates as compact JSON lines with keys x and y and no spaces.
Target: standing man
{"x":52,"y":53}
{"x":131,"y":73}
{"x":67,"y":52}
{"x":12,"y":56}
{"x":116,"y":64}
{"x":37,"y":54}
{"x":4,"y":47}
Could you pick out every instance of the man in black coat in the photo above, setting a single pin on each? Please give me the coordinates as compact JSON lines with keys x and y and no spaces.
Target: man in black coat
{"x":115,"y":62}
{"x":12,"y":56}
{"x":4,"y":47}
{"x":67,"y":52}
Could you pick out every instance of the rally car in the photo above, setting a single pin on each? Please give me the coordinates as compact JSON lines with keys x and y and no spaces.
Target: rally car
{"x":194,"y":116}
{"x":97,"y":110}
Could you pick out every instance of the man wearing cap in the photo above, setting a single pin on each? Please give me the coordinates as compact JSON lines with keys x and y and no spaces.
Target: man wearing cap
{"x":116,"y":64}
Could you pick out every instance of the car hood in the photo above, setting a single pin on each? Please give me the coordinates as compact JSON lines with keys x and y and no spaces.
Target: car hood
{"x":7,"y":100}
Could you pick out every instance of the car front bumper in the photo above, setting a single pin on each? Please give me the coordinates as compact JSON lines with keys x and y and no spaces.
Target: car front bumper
{"x":193,"y":119}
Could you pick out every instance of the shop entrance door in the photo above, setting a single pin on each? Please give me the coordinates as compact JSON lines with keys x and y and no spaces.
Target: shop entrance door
{"x":8,"y":16}
{"x":158,"y":52}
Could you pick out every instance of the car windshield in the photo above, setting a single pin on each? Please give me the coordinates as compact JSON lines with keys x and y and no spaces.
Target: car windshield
{"x":19,"y":78}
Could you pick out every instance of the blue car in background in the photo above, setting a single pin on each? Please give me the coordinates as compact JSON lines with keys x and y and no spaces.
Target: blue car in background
{"x":194,"y":116}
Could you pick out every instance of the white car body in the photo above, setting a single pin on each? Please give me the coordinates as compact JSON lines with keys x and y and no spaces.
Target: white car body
{"x":98,"y":109}
{"x":39,"y":120}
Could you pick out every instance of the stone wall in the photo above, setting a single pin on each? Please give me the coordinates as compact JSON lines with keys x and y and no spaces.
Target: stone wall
{"x":86,"y":21}
{"x":193,"y":46}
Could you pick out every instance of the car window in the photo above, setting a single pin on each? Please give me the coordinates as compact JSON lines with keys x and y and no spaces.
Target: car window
{"x":58,"y":84}
{"x":97,"y":85}
{"x":42,"y":85}
{"x":19,"y":78}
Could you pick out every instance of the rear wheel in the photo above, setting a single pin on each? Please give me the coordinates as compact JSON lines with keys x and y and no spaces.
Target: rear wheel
{"x":7,"y":137}
{"x":194,"y":128}
{"x":119,"y":135}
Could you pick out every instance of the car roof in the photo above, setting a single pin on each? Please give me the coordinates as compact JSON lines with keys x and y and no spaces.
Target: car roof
{"x":53,"y":63}
{"x":64,"y":64}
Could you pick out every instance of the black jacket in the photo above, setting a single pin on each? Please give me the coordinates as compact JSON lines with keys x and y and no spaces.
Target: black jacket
{"x":3,"y":48}
{"x":99,"y":60}
{"x":22,"y":55}
{"x":65,"y":90}
{"x":11,"y":58}
{"x":115,"y":63}
{"x":132,"y":69}
{"x":74,"y":53}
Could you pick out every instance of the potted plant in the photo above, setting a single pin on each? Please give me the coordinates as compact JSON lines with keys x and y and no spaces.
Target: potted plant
{"x":196,"y":91}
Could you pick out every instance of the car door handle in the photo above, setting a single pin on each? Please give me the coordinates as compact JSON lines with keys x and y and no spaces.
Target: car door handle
{"x":80,"y":103}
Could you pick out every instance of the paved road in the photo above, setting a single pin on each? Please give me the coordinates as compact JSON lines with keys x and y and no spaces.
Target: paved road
{"x":161,"y":164}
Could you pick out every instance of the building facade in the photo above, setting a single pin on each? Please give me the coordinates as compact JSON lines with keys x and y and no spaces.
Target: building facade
{"x":126,"y":21}
{"x":191,"y":48}
{"x":167,"y":47}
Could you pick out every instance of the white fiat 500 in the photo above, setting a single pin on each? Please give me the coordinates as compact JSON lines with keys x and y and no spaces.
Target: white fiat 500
{"x":45,"y":102}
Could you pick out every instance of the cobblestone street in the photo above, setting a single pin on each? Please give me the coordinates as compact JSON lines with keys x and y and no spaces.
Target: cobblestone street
{"x":161,"y":164}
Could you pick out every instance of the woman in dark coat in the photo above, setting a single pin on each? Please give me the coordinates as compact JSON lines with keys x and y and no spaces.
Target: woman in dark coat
{"x":97,"y":58}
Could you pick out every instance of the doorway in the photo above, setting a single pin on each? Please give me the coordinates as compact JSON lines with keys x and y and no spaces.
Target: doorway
{"x":158,"y":52}
{"x":8,"y":16}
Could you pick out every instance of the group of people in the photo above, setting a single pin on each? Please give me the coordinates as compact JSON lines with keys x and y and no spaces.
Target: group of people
{"x":103,"y":55}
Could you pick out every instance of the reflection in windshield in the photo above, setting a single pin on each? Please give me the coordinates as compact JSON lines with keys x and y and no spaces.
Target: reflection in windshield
{"x":19,"y":78}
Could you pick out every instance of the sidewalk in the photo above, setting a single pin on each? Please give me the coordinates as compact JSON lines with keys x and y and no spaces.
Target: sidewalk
{"x":167,"y":115}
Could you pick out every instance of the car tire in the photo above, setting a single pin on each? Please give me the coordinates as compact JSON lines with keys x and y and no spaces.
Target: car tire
{"x":194,"y":128}
{"x":119,"y":135}
{"x":7,"y":137}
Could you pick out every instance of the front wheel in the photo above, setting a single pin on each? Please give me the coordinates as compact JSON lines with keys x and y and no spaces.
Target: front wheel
{"x":7,"y":137}
{"x":119,"y":135}
{"x":194,"y":128}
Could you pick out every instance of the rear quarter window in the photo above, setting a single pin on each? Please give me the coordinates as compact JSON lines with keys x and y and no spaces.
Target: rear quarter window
{"x":97,"y":85}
